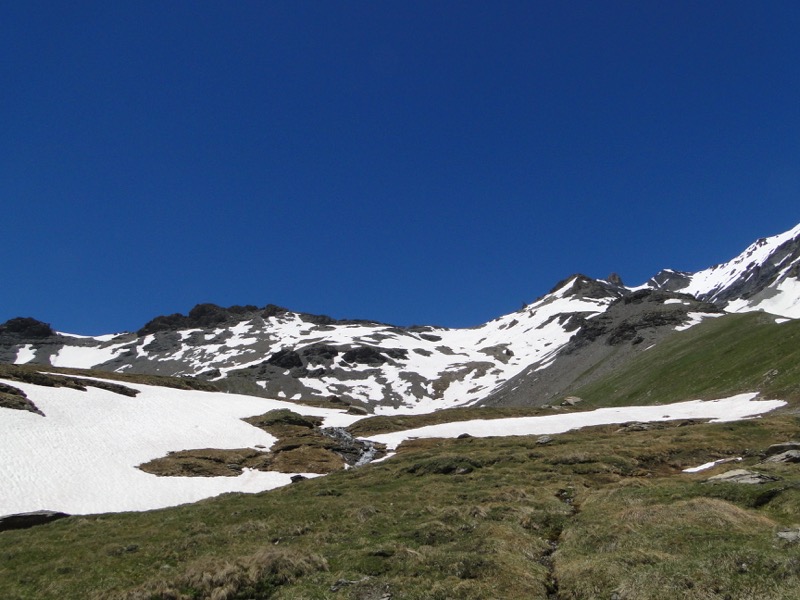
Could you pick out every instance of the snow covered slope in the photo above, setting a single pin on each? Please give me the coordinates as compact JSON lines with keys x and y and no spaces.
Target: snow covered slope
{"x":766,"y":276}
{"x":296,"y":356}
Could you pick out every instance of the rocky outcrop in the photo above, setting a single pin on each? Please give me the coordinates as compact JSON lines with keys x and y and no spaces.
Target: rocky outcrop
{"x":28,"y":520}
{"x":26,"y":328}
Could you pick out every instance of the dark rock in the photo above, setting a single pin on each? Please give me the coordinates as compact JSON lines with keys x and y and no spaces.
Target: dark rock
{"x":297,"y":478}
{"x":357,"y":410}
{"x":173,"y":322}
{"x":164,"y":341}
{"x":285,"y":359}
{"x":26,"y":328}
{"x":319,"y":353}
{"x":210,"y":374}
{"x":364,"y":355}
{"x":31,"y":519}
{"x":464,"y":436}
{"x":430,"y":337}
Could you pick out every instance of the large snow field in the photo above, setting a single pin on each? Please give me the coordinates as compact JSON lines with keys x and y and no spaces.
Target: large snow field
{"x":81,"y":457}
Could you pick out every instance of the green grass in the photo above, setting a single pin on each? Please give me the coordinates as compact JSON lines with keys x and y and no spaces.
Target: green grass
{"x":718,"y":358}
{"x":388,"y":424}
{"x":467,"y":518}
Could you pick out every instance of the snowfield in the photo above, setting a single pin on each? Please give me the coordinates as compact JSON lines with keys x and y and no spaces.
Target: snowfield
{"x":734,"y":408}
{"x":81,"y":457}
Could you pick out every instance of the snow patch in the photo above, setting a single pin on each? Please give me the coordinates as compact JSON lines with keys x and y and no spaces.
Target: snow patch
{"x":734,"y":408}
{"x":25,"y":354}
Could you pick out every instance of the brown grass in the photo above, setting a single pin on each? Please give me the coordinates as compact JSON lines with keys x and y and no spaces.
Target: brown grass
{"x":219,"y":578}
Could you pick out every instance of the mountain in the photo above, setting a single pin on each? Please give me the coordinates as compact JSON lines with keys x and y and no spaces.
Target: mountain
{"x":580,"y":330}
{"x":766,"y":276}
{"x":650,"y":481}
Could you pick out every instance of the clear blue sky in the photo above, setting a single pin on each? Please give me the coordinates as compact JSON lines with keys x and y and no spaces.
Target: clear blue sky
{"x":404,"y":161}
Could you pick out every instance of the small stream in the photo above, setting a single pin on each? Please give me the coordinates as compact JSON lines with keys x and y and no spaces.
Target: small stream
{"x":355,"y":452}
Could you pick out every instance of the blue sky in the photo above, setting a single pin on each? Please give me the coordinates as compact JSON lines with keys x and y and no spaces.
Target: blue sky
{"x":403,"y":161}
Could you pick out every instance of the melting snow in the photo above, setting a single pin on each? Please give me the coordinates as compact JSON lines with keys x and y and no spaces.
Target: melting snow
{"x":83,"y":357}
{"x":727,"y":409}
{"x":708,"y":465}
{"x":81,"y":457}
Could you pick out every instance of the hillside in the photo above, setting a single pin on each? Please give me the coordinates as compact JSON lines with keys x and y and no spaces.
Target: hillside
{"x":601,"y":513}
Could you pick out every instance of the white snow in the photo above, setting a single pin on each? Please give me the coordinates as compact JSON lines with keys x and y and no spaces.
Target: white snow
{"x":81,"y":457}
{"x":720,"y":276}
{"x":708,"y":465}
{"x":727,"y":409}
{"x":695,"y":318}
{"x":781,"y":299}
{"x":83,"y":357}
{"x":25,"y":354}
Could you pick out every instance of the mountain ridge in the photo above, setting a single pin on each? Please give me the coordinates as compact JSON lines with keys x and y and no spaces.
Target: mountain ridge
{"x":276,"y":352}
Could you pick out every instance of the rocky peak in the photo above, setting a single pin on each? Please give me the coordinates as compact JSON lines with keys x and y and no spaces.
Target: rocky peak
{"x":27,"y":328}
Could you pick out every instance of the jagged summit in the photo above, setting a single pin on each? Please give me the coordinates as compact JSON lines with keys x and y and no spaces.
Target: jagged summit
{"x":763,"y":277}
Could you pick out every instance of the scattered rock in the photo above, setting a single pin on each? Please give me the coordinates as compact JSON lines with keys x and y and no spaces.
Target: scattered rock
{"x":571,"y":401}
{"x":31,"y":519}
{"x":782,"y":447}
{"x":790,"y":456}
{"x":741,"y":476}
{"x":340,"y":583}
{"x":789,"y":535}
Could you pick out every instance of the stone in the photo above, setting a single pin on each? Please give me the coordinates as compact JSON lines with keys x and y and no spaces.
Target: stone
{"x":790,"y":456}
{"x":741,"y":476}
{"x":571,"y":401}
{"x":782,"y":447}
{"x":545,"y":439}
{"x":789,"y":535}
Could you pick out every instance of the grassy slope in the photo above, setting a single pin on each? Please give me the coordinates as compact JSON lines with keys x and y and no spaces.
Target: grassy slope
{"x":718,"y":358}
{"x":471,"y":518}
